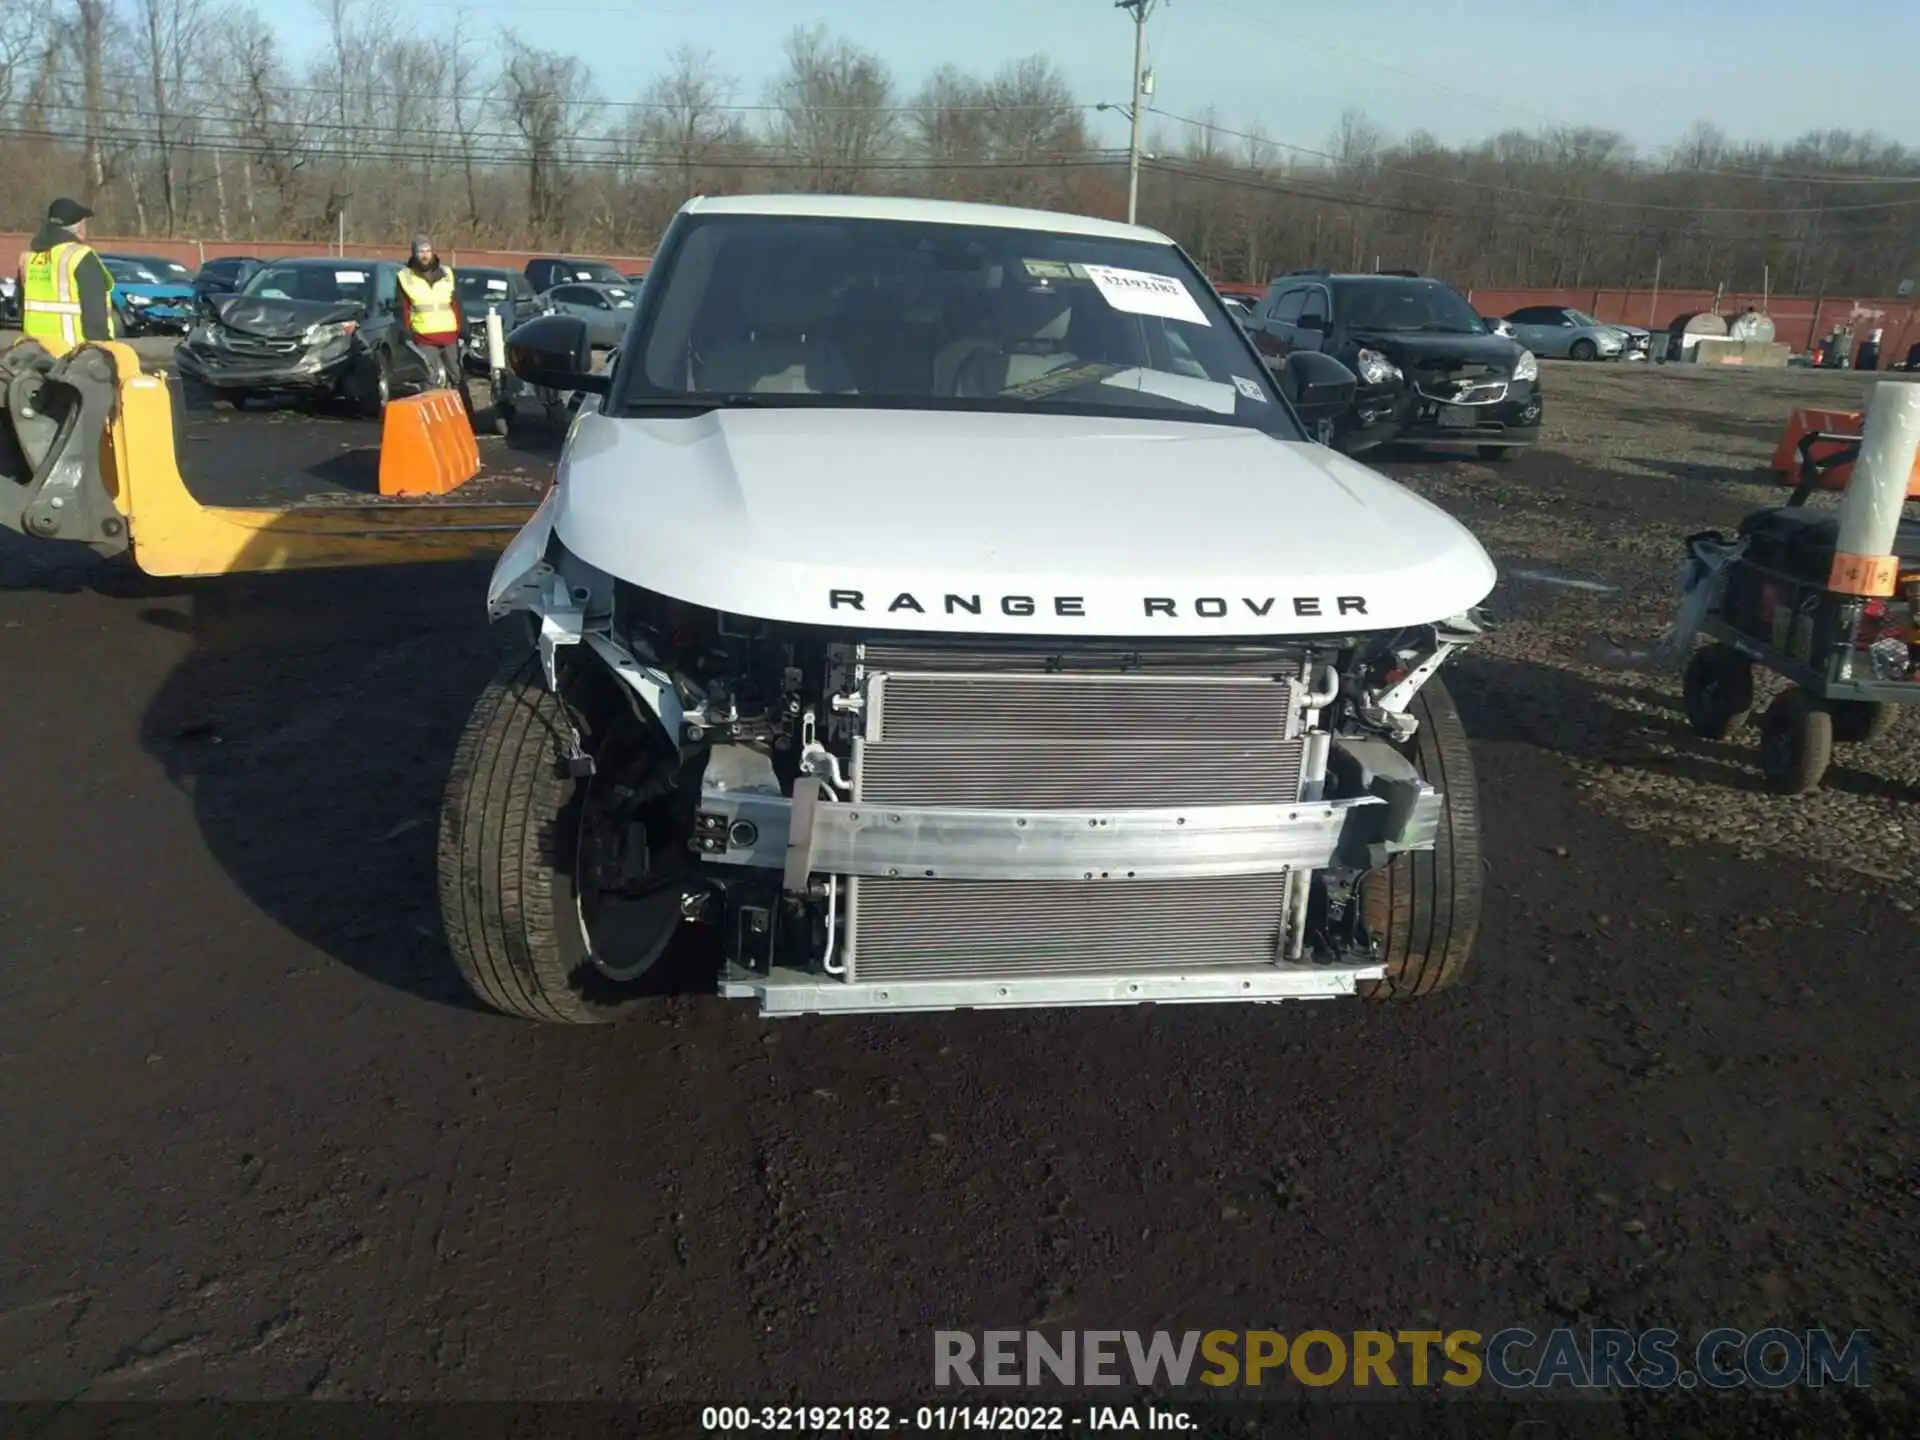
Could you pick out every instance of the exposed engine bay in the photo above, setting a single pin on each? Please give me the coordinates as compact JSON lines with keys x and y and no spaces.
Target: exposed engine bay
{"x":866,"y":809}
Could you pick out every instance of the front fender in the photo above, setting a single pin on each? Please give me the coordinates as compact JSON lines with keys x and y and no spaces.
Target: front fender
{"x":520,"y":574}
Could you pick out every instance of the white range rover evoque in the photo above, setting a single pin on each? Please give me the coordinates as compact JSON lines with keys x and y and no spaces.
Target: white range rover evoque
{"x":946,"y":607}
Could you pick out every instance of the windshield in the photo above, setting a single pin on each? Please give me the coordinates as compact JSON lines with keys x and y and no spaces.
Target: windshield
{"x":346,"y":282}
{"x":1405,"y":306}
{"x":757,"y":309}
{"x":1580,"y":317}
{"x":620,"y":296}
{"x":129,"y":272}
{"x":588,"y":272}
{"x":480,"y":286}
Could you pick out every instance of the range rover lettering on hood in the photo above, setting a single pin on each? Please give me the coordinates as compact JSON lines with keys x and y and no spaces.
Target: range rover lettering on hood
{"x":1204,"y":607}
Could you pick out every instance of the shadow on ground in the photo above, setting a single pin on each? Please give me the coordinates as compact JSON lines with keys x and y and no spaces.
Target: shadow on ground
{"x":313,"y":722}
{"x":1628,"y":723}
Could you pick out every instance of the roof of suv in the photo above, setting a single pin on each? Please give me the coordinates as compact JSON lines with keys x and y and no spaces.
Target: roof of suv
{"x":929,"y":212}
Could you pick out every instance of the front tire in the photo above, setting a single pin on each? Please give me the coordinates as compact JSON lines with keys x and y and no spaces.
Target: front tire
{"x":516,"y":884}
{"x":1423,"y":909}
{"x":1584,"y":350}
{"x":1497,"y":454}
{"x":377,"y":386}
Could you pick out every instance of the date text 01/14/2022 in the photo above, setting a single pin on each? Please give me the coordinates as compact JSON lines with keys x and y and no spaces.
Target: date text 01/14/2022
{"x":936,"y":1419}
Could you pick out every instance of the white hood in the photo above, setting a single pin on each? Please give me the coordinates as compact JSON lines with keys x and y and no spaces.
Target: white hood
{"x":1047,"y":524}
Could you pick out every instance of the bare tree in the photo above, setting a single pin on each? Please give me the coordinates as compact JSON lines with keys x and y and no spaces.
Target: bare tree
{"x":175,"y":114}
{"x":685,"y":124}
{"x":834,"y":118}
{"x":170,"y":35}
{"x":548,"y":99}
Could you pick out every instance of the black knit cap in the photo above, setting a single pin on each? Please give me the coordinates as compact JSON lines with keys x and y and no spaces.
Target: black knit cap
{"x":67,"y":212}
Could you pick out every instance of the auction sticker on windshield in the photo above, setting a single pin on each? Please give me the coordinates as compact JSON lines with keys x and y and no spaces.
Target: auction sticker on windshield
{"x":1141,"y":292}
{"x":1249,"y":388}
{"x":349,"y":277}
{"x":1050,"y":270}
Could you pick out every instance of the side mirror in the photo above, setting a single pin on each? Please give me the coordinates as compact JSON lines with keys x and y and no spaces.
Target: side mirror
{"x":1318,"y":386}
{"x":554,"y":352}
{"x":1312,"y":322}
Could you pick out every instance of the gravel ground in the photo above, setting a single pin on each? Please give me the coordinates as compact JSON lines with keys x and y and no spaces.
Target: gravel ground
{"x":262,"y":1148}
{"x":1635,"y":459}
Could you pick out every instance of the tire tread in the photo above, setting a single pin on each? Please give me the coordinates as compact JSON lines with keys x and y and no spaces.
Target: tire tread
{"x":1426,"y":907}
{"x":500,"y":854}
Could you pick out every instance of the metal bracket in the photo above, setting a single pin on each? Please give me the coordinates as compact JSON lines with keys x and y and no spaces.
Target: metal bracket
{"x":798,"y":866}
{"x":23,"y":370}
{"x":65,"y":496}
{"x":1400,"y":695}
{"x":1412,"y":814}
{"x":561,"y":623}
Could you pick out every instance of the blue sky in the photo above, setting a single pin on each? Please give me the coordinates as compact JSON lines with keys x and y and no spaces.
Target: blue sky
{"x":1460,"y":68}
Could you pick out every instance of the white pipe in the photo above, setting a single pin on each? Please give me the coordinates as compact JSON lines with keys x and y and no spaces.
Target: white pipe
{"x":496,"y":343}
{"x":1877,"y":490}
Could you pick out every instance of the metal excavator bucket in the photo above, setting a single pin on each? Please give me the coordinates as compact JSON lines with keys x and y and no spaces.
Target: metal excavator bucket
{"x":87,"y":454}
{"x":58,"y":411}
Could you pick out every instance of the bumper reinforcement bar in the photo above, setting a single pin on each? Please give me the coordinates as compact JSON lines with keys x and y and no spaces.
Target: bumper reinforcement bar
{"x":818,"y":836}
{"x":793,"y":992}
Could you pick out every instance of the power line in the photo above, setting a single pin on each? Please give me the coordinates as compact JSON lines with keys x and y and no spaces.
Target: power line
{"x":1378,"y":64}
{"x":1811,"y":178}
{"x":1476,"y":218}
{"x":759,"y":160}
{"x":499,"y":95}
{"x":1548,"y":195}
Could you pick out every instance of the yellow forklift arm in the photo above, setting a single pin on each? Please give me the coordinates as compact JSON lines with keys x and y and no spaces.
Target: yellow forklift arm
{"x":90,"y":457}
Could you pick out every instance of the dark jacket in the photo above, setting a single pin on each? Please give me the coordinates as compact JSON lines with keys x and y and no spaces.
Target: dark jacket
{"x":92,"y":278}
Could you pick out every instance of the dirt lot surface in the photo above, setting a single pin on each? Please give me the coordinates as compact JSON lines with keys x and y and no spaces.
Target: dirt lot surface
{"x":261,"y":1147}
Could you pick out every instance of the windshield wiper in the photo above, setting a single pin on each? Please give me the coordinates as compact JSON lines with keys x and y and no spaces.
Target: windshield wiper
{"x":741,"y":401}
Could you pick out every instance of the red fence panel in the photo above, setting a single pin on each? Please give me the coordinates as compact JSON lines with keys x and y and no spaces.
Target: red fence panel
{"x":1798,"y":320}
{"x":197,"y":252}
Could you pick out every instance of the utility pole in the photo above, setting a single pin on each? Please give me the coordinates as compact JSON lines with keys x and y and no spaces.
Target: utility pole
{"x":1139,"y":9}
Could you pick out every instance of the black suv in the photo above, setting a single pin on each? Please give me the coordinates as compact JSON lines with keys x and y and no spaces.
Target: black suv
{"x":1429,"y":370}
{"x":224,"y":275}
{"x":543,"y":272}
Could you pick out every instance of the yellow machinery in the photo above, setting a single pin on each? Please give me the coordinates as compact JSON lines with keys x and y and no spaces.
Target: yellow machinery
{"x":89,"y":456}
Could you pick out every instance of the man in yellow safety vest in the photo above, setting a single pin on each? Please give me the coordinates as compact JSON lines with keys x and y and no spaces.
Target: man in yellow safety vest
{"x":65,"y":292}
{"x":430,"y":312}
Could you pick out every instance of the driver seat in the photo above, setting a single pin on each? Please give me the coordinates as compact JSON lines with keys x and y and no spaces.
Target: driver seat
{"x":782,"y":351}
{"x":990,"y":370}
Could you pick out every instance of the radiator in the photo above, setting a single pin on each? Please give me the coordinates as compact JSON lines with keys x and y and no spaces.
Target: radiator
{"x":1032,"y":727}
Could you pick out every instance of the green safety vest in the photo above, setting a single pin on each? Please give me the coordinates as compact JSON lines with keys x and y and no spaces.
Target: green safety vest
{"x":50,"y":302}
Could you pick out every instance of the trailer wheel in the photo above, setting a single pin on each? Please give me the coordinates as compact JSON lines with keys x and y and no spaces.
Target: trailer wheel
{"x":529,"y":928}
{"x":1862,"y":722}
{"x":1796,"y":742}
{"x":1718,"y":691}
{"x":1424,"y":907}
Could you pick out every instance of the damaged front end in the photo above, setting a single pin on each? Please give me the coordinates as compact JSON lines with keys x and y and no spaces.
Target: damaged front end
{"x":906,"y":822}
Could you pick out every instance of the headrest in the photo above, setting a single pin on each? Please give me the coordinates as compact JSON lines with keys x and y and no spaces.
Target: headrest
{"x":789,"y":294}
{"x":1031,"y":313}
